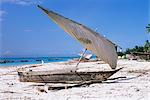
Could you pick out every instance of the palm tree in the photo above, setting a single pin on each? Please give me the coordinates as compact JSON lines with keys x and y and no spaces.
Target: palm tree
{"x":147,"y":46}
{"x":148,"y":28}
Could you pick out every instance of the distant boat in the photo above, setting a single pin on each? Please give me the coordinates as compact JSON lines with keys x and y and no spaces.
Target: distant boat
{"x":38,"y":60}
{"x":86,"y":56}
{"x":91,"y":40}
{"x":24,"y":61}
{"x":6,"y":61}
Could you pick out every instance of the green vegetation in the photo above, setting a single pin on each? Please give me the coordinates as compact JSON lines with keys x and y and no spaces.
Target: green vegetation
{"x":148,"y":28}
{"x":142,"y":52}
{"x":145,"y":48}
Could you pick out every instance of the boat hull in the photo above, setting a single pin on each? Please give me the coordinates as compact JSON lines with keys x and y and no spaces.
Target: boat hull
{"x":68,"y":77}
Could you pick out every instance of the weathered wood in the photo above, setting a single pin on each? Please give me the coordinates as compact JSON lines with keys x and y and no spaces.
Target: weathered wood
{"x":76,"y":85}
{"x":62,"y":77}
{"x":116,"y":78}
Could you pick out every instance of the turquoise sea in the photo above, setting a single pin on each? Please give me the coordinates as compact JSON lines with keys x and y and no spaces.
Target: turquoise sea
{"x":32,"y":60}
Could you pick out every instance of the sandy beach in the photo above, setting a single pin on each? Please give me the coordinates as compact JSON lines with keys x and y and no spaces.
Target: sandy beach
{"x":134,"y":84}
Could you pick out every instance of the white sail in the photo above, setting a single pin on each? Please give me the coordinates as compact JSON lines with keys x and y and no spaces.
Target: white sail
{"x":102,"y":47}
{"x":42,"y":62}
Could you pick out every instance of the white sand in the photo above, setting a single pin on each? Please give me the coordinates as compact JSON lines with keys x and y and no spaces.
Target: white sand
{"x":136,"y":85}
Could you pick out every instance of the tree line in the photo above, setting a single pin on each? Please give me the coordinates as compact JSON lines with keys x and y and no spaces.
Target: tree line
{"x":144,"y":49}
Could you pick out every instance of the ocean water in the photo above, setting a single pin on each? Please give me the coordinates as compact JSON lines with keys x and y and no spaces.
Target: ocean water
{"x":26,"y":61}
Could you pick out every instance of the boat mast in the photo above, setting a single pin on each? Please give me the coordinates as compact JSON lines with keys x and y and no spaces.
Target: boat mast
{"x":80,"y":58}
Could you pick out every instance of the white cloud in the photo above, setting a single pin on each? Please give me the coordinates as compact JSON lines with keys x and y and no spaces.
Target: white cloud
{"x":8,"y":53}
{"x":2,"y":13}
{"x":27,"y":30}
{"x":22,"y":2}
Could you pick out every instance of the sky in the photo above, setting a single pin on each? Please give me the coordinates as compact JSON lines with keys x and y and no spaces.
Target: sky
{"x":25,"y":31}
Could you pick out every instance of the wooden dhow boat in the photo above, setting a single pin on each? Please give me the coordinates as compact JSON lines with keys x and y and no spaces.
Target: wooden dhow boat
{"x":91,"y":40}
{"x":62,"y":76}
